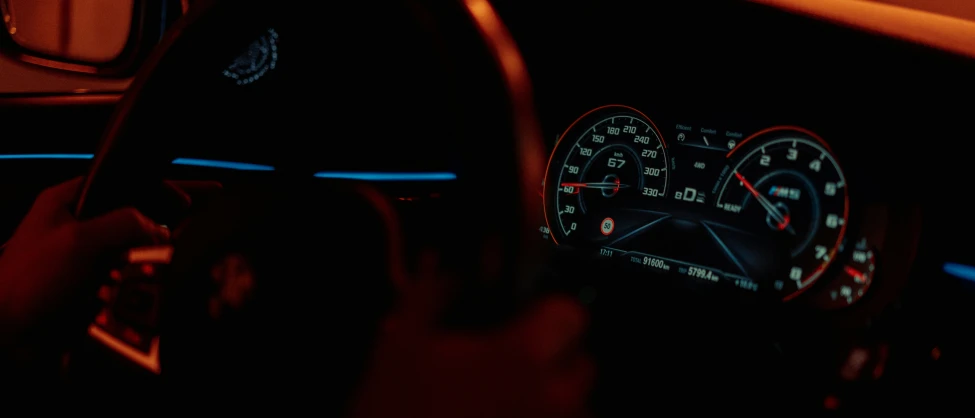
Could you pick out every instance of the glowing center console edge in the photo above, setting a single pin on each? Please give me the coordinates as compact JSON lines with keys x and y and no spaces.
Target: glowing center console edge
{"x":232,"y":165}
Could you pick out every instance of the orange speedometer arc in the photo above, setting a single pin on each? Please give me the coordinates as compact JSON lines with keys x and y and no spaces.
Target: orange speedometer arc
{"x":571,"y":128}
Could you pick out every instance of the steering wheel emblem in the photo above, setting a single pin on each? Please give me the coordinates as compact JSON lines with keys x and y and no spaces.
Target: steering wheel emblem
{"x":261,"y":56}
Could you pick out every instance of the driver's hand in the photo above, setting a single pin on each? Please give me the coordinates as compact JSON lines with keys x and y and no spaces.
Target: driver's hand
{"x":535,"y":367}
{"x":46,"y":269}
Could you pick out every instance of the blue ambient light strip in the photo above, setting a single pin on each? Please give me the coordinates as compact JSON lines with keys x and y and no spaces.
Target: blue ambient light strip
{"x":46,"y":156}
{"x":960,"y":271}
{"x":231,"y":165}
{"x":379,"y":176}
{"x":179,"y":161}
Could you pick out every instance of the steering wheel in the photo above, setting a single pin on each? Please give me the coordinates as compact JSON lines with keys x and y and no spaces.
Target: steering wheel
{"x":322,"y":261}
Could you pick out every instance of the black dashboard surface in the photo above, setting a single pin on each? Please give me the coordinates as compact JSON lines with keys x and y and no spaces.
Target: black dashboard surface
{"x":745,"y":66}
{"x":892,"y":112}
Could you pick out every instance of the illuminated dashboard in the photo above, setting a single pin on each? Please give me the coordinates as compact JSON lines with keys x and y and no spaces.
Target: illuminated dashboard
{"x":762,"y":212}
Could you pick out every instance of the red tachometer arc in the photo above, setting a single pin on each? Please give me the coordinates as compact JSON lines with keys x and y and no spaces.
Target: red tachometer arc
{"x":812,"y":277}
{"x":779,"y":128}
{"x":555,"y":149}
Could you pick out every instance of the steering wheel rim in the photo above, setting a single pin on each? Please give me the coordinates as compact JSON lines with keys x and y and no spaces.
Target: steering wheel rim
{"x":501,"y":254}
{"x":522,"y":147}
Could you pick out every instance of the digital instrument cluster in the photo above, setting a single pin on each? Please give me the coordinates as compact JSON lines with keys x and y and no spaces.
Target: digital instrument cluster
{"x":764,"y":212}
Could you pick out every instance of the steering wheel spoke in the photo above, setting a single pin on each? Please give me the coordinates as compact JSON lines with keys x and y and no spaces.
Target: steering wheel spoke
{"x":128,"y":320}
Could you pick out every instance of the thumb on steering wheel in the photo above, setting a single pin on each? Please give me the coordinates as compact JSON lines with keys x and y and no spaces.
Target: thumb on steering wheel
{"x":119,"y":229}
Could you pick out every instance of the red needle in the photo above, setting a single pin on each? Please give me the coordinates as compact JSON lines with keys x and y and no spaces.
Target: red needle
{"x":857,"y":276}
{"x":606,"y":185}
{"x":748,"y":185}
{"x":781,"y":219}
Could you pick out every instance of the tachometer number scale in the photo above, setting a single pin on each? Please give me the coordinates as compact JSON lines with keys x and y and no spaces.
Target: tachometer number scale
{"x":788,"y":184}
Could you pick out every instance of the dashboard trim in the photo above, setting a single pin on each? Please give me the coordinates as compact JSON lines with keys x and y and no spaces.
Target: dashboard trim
{"x":60,"y":100}
{"x":940,"y":32}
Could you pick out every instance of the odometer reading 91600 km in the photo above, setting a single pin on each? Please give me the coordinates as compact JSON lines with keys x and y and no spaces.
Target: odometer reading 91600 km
{"x":611,"y":158}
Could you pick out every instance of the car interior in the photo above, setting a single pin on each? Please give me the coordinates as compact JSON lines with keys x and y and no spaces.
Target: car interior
{"x":742,"y":194}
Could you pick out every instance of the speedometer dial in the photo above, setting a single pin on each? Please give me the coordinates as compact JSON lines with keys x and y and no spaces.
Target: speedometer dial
{"x":611,"y":158}
{"x":785,"y":183}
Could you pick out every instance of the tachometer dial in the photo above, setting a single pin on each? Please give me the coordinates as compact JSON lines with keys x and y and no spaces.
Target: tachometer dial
{"x":784,"y":183}
{"x":610,"y":159}
{"x":853,"y":281}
